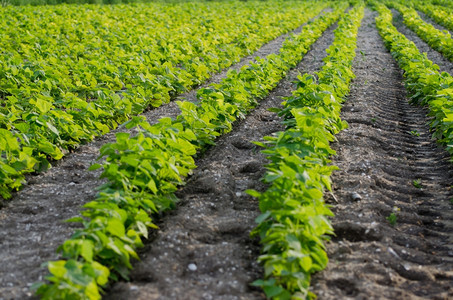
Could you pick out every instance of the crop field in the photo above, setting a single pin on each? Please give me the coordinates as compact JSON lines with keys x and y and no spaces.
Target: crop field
{"x":226,"y":150}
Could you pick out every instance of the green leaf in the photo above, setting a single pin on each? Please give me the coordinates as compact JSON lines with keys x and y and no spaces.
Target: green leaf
{"x":87,"y":250}
{"x":102,"y":273}
{"x":94,"y":167}
{"x":273,"y":291}
{"x":52,"y":128}
{"x":253,"y":193}
{"x":50,"y":149}
{"x":42,"y":105}
{"x":116,"y":227}
{"x":92,"y":292}
{"x":57,"y":268}
{"x":261,"y":218}
{"x":75,"y":220}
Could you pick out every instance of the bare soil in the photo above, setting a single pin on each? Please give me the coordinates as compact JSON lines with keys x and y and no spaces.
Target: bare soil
{"x":203,"y":249}
{"x":387,"y":146}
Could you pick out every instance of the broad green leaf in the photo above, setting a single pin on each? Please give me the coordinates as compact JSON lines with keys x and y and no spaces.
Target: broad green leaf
{"x":116,"y":227}
{"x":87,"y":250}
{"x":57,"y":268}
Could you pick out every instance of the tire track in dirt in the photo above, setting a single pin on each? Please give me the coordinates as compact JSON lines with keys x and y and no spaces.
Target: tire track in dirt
{"x":444,"y":64}
{"x":32,"y":223}
{"x":203,"y":249}
{"x":386,"y":148}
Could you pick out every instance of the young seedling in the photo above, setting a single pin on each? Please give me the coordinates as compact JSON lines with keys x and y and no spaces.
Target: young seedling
{"x":392,"y":219}
{"x":363,"y":55}
{"x":417,"y":183}
{"x":414,"y":133}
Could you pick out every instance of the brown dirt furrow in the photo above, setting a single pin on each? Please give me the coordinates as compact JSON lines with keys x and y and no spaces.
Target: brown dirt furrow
{"x":203,"y":249}
{"x":444,"y":64}
{"x":32,"y":222}
{"x":387,"y":146}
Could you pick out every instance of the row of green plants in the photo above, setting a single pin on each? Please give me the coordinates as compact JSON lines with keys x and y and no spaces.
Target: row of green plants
{"x":437,"y":39}
{"x":58,"y":2}
{"x":440,"y":15}
{"x":445,"y":3}
{"x":423,"y":80}
{"x":84,"y":71}
{"x":143,"y":171}
{"x":294,"y":222}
